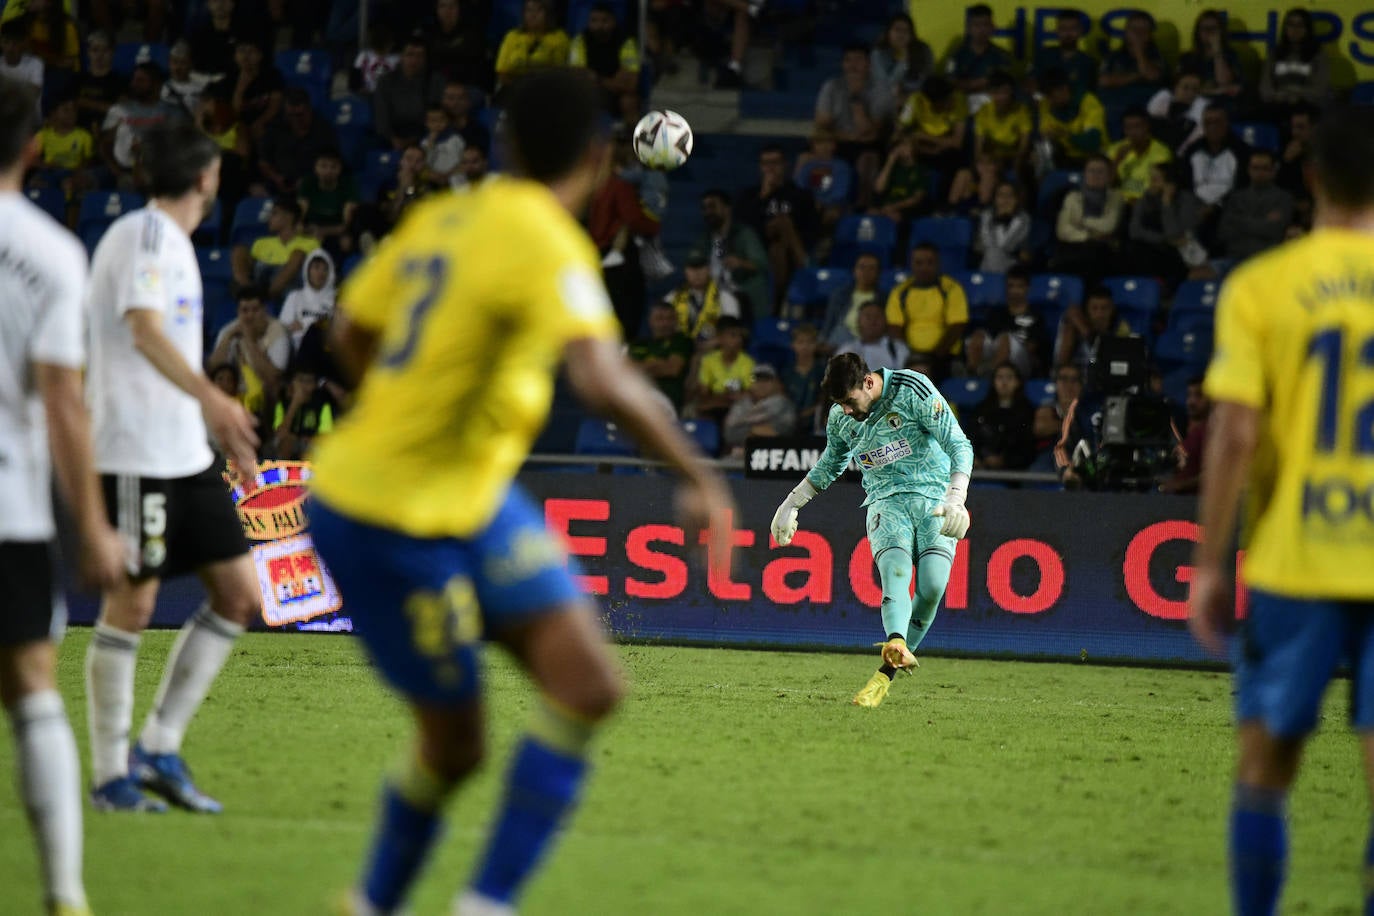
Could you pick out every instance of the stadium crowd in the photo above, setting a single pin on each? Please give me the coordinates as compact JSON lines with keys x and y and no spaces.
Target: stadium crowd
{"x":994,"y":222}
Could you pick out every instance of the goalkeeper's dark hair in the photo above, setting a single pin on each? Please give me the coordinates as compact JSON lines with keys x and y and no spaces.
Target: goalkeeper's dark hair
{"x":1342,"y":150}
{"x":843,"y":374}
{"x":171,"y":158}
{"x":552,"y":118}
{"x":18,"y":120}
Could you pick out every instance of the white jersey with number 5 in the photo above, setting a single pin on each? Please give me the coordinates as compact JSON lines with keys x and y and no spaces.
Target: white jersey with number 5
{"x":42,"y":284}
{"x":145,"y":425}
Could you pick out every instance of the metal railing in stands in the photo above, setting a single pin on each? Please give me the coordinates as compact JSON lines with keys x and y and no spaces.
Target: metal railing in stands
{"x":737,"y":464}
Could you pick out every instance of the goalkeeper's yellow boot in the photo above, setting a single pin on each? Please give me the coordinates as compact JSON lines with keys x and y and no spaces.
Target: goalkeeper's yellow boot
{"x":896,"y":654}
{"x":874,"y":692}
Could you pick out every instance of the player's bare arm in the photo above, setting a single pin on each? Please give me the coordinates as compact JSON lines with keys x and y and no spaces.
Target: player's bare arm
{"x":228,"y":421}
{"x":607,"y":383}
{"x":354,"y":345}
{"x":103,"y":553}
{"x":1232,"y":435}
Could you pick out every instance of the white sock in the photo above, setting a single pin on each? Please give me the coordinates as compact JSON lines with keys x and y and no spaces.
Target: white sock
{"x":49,"y":775}
{"x":471,"y":903}
{"x":201,"y":649}
{"x":110,"y":700}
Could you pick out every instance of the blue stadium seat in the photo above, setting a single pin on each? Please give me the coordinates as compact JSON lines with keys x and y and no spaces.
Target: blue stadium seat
{"x":1053,"y":188}
{"x":51,"y":201}
{"x":99,"y":209}
{"x":1191,"y":320}
{"x":1258,"y":134}
{"x":379,"y":165}
{"x":984,"y":290}
{"x":771,"y":341}
{"x":311,"y":70}
{"x":857,"y":235}
{"x":891,"y":278}
{"x":964,"y":393}
{"x":1058,"y":290}
{"x":705,"y":433}
{"x":1039,"y":391}
{"x":250,"y":220}
{"x":1362,"y":94}
{"x":951,"y":234}
{"x":208,"y":230}
{"x":352,"y":120}
{"x":602,"y":437}
{"x":812,"y":286}
{"x":215,"y":266}
{"x":1196,"y":296}
{"x":1134,"y":293}
{"x":1191,"y":347}
{"x":129,"y":54}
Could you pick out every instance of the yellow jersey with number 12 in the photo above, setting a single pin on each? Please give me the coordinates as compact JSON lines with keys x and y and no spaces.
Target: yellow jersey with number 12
{"x":474,"y":297}
{"x":1295,"y":339}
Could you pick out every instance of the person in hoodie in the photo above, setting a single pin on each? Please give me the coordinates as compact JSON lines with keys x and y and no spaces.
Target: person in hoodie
{"x":315,"y":298}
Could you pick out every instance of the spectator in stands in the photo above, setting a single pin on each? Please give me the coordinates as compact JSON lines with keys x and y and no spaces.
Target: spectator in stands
{"x":403,"y":96}
{"x":665,"y":354}
{"x":782,"y":214}
{"x":316,"y":355}
{"x":1002,"y":426}
{"x":1212,"y":58}
{"x":314,"y":299}
{"x":456,"y":100}
{"x":973,"y":63}
{"x":1088,"y":222}
{"x":900,"y":189}
{"x":700,"y":303}
{"x":972,"y":190}
{"x":226,"y":378}
{"x":1015,"y":333}
{"x":458,"y":46}
{"x":929,"y":311}
{"x":718,"y":16}
{"x":614,"y":220}
{"x":763,"y":410}
{"x":664,"y":33}
{"x":1074,"y":123}
{"x":1049,"y":416}
{"x":259,"y":346}
{"x":127,"y":119}
{"x":1177,"y":113}
{"x":1079,"y":343}
{"x":537,"y":42}
{"x":16,"y":62}
{"x":802,"y":379}
{"x":443,"y":147}
{"x":273,"y":264}
{"x":1297,"y":71}
{"x":98,"y":87}
{"x":899,"y":58}
{"x":724,"y":373}
{"x":936,"y":118}
{"x":858,"y":108}
{"x":472,"y":169}
{"x":1135,"y":71}
{"x":1186,"y":477}
{"x":1002,"y":128}
{"x":1136,"y":154}
{"x":612,"y":57}
{"x":376,"y":59}
{"x":293,"y":142}
{"x":66,"y":151}
{"x":827,"y":177}
{"x":303,"y":413}
{"x":1296,"y":149}
{"x":212,"y":40}
{"x":1163,"y":233}
{"x":1214,"y":163}
{"x":53,"y":35}
{"x":329,"y":202}
{"x":874,"y":344}
{"x":739,"y":262}
{"x":184,"y":86}
{"x":216,"y":117}
{"x":1256,"y":217}
{"x":258,"y":86}
{"x":1078,"y":67}
{"x":1004,"y":231}
{"x":841,"y":322}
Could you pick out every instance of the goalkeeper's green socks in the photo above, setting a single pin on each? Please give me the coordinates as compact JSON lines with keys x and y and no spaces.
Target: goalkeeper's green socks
{"x":932,"y":575}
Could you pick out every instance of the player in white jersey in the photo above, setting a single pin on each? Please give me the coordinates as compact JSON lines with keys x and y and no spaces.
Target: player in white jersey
{"x":151,"y":404}
{"x":42,"y":283}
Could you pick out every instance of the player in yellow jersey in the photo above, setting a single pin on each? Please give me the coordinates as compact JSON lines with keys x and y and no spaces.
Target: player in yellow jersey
{"x":456,"y":326}
{"x":1292,"y":381}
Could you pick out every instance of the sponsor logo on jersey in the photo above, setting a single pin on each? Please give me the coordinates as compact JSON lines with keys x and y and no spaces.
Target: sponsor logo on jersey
{"x":893,"y":420}
{"x":148,"y":280}
{"x":884,"y":454}
{"x":939,"y":409}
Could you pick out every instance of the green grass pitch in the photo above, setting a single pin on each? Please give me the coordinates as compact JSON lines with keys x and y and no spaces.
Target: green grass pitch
{"x":733,"y":782}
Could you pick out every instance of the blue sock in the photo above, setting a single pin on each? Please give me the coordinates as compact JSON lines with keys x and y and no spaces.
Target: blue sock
{"x":541,"y":788}
{"x":1259,"y":849}
{"x":405,"y":833}
{"x":1369,"y":874}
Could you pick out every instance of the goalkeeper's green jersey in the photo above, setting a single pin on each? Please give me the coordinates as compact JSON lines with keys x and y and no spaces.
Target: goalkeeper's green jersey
{"x":909,"y":443}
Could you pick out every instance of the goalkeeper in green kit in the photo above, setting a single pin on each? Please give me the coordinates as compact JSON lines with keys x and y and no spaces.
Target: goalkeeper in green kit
{"x":916,"y":462}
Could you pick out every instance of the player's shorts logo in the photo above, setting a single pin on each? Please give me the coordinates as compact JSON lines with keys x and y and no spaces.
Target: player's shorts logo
{"x":884,"y":454}
{"x":893,"y":420}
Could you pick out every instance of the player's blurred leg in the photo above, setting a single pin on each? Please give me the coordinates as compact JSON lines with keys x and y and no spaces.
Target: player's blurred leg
{"x":567,"y":655}
{"x":49,"y":769}
{"x":1258,"y":824}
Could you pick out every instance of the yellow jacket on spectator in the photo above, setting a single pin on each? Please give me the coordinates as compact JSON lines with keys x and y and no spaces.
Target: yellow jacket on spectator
{"x":71,"y":150}
{"x":521,"y":51}
{"x":1133,"y":168}
{"x":924,"y":312}
{"x":1002,"y":133}
{"x":919,"y":114}
{"x":1075,"y":134}
{"x":717,"y":378}
{"x":272,"y":250}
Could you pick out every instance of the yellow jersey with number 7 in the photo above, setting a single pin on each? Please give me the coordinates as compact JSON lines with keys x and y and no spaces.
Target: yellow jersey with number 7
{"x":474,"y":298}
{"x":1295,"y":340}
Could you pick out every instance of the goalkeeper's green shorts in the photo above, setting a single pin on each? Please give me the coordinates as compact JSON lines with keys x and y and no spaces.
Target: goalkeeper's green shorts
{"x":905,"y":522}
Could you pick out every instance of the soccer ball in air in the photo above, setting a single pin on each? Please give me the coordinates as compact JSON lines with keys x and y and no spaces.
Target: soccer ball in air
{"x":662,"y":140}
